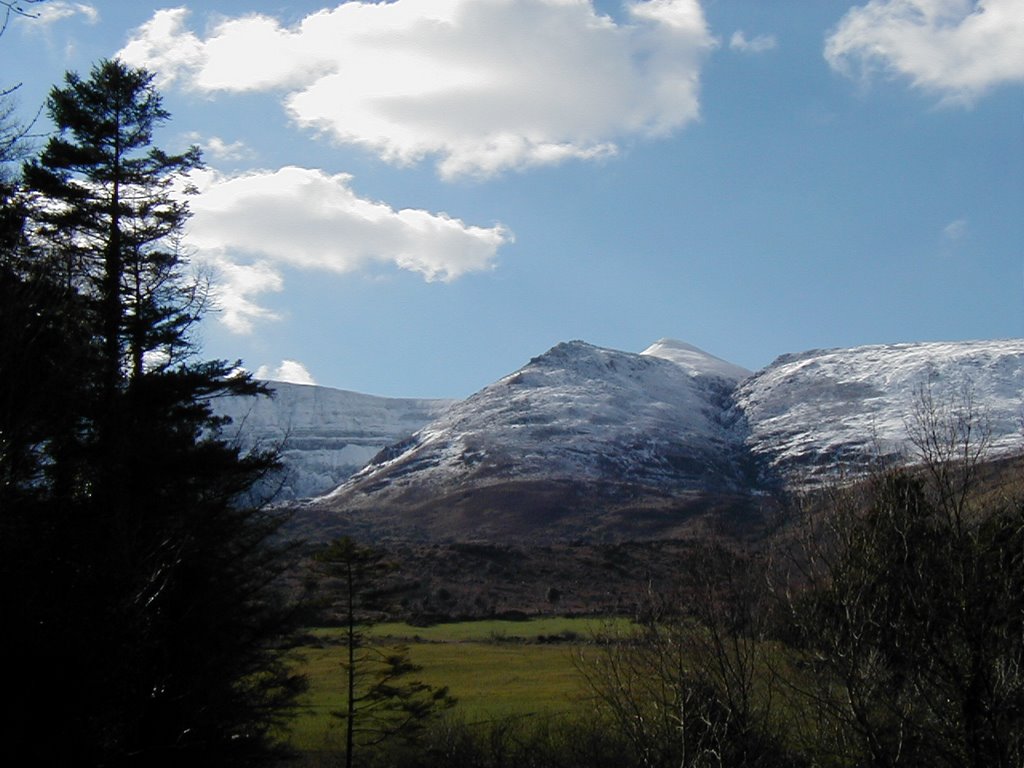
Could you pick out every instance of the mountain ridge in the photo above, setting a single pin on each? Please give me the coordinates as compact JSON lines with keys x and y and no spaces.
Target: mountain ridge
{"x":589,"y":441}
{"x":586,"y":441}
{"x":868,"y":395}
{"x":584,"y":395}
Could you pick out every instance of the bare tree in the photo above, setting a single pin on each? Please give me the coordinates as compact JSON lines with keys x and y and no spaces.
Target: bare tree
{"x":885,"y":629}
{"x":13,"y":132}
{"x":904,"y":595}
{"x":693,"y":687}
{"x":14,"y":8}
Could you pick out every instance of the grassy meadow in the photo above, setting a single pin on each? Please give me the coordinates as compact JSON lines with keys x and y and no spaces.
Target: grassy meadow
{"x":493,"y":668}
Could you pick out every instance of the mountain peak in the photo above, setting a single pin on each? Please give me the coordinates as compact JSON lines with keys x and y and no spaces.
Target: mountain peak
{"x":695,"y":361}
{"x":577,"y":427}
{"x":589,"y":442}
{"x":564,"y":350}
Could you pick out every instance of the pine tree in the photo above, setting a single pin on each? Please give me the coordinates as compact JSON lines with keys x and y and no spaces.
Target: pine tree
{"x":147,"y":573}
{"x":381,"y":699}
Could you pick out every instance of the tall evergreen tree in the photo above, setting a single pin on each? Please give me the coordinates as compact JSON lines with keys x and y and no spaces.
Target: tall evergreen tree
{"x":382,"y":700}
{"x":112,"y":213}
{"x":143,"y":574}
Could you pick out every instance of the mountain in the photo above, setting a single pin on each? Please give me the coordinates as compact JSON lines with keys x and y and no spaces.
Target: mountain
{"x":324,"y":435}
{"x":808,"y":416}
{"x":696,"y":362}
{"x":580,"y":440}
{"x":594,"y":443}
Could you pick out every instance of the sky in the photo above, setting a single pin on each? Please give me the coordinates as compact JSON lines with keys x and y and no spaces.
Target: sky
{"x":413,"y":198}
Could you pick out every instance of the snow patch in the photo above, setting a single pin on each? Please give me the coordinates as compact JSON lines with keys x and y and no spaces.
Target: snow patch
{"x":695,"y":361}
{"x":806,"y":410}
{"x":323,"y":435}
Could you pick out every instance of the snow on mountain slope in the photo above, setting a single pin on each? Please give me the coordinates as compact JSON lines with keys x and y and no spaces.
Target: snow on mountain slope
{"x":696,"y":361}
{"x":577,"y":413}
{"x":587,"y":442}
{"x":324,"y":434}
{"x":810,"y":414}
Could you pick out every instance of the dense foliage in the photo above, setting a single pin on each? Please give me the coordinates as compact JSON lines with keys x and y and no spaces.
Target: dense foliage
{"x":137,"y":571}
{"x":913,"y":626}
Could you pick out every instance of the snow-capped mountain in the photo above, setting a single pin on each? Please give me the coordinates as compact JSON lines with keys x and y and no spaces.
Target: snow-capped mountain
{"x":577,"y":428}
{"x":586,"y":441}
{"x":819,"y":412}
{"x":324,"y":435}
{"x":696,"y":362}
{"x":580,"y":412}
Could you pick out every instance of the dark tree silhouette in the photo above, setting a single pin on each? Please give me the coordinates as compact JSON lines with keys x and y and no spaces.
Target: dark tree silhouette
{"x":382,"y":701}
{"x":138,"y":569}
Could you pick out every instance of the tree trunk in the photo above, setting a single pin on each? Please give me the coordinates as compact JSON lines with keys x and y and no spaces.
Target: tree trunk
{"x":350,"y":720}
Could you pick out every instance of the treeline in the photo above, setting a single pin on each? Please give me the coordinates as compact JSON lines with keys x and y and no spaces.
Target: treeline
{"x":141,"y":618}
{"x":885,"y":628}
{"x":882,"y":626}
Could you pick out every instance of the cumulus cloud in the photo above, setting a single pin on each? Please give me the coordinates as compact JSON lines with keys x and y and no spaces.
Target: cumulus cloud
{"x":291,"y":371}
{"x":959,"y":49}
{"x":759,"y":44}
{"x":247,"y":227}
{"x":237,"y":287}
{"x":163,"y":46}
{"x":483,"y":86}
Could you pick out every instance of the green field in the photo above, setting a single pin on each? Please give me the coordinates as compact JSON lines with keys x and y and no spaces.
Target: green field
{"x":499,"y":630}
{"x":493,"y":668}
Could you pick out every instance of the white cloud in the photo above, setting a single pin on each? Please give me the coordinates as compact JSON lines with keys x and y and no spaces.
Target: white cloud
{"x":289,"y":370}
{"x":219,"y":149}
{"x":481,"y":85}
{"x":959,"y":49}
{"x":759,"y":44}
{"x":237,"y":285}
{"x":955,"y":230}
{"x":163,"y":46}
{"x":52,"y":12}
{"x":249,"y":226}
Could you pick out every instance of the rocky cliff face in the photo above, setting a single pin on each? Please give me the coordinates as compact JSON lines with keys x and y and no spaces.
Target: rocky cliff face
{"x":324,"y":435}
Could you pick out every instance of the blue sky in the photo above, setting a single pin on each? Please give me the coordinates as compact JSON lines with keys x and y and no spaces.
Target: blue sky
{"x":413,"y":198}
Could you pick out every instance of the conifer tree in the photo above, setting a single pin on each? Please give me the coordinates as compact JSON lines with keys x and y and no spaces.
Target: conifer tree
{"x":381,"y":699}
{"x":147,"y":571}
